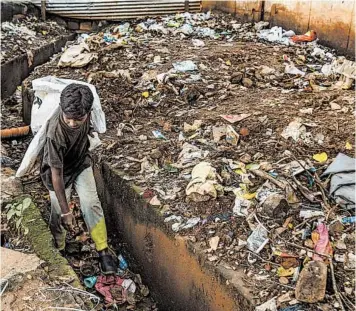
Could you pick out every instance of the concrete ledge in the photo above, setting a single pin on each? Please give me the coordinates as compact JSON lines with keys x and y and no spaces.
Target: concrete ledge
{"x":11,"y":8}
{"x":18,"y":69}
{"x":176,"y":270}
{"x":41,"y":241}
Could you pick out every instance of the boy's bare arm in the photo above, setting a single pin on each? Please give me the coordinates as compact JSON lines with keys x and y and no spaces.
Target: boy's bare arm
{"x":59,"y":189}
{"x":68,"y":219}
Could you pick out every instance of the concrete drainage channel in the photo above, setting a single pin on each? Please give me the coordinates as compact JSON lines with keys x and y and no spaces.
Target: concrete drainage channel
{"x":174,"y":268}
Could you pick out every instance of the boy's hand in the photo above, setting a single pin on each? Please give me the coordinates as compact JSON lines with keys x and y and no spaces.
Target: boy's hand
{"x":68,"y":221}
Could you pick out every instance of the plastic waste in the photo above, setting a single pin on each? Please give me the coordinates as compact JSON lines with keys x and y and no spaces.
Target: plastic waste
{"x":241,"y":205}
{"x":275,"y":34}
{"x":348,"y":220}
{"x":202,"y":185}
{"x":276,"y":206}
{"x":158,"y":28}
{"x":129,"y":285}
{"x":260,"y":25}
{"x":173,"y":23}
{"x":158,"y":134}
{"x":75,"y":57}
{"x":184,"y":66}
{"x":206,"y":32}
{"x":288,"y":33}
{"x":189,"y":155}
{"x":123,"y":29}
{"x":6,"y":161}
{"x":191,"y":222}
{"x":94,"y":142}
{"x":320,"y":157}
{"x":10,"y":27}
{"x":258,"y":239}
{"x":192,"y":128}
{"x":90,"y":281}
{"x":235,"y":118}
{"x":321,"y":241}
{"x":108,"y":38}
{"x":141,"y":27}
{"x":122,"y":262}
{"x":187,"y":29}
{"x":318,"y":52}
{"x":307,"y":37}
{"x":231,"y":136}
{"x":297,"y":307}
{"x":291,"y":69}
{"x":310,"y":213}
{"x":218,"y":132}
{"x":270,"y":305}
{"x":198,"y":43}
{"x":342,"y":183}
{"x":326,"y":69}
{"x":294,"y":129}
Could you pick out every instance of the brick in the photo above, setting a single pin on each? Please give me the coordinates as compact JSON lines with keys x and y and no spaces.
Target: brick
{"x":94,"y":26}
{"x":85,"y":26}
{"x":73,"y":25}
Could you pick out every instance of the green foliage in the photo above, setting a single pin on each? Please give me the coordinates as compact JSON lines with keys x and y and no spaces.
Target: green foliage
{"x":15,"y":214}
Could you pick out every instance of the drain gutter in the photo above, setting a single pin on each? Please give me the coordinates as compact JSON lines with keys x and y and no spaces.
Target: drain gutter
{"x":175,"y":269}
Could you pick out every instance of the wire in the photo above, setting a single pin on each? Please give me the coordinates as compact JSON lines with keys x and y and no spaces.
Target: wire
{"x":73,"y":290}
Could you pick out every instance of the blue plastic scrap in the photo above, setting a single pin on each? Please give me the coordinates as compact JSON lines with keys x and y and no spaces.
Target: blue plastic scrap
{"x":294,"y":308}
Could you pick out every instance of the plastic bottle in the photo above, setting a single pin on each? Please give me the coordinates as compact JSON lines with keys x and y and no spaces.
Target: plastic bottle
{"x":122,"y":262}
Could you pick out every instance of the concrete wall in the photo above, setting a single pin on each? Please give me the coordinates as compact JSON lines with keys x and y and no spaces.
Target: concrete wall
{"x":333,"y":20}
{"x":10,"y":8}
{"x":176,"y":270}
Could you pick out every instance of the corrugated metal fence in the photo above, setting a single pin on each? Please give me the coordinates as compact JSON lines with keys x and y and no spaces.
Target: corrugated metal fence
{"x":118,"y":9}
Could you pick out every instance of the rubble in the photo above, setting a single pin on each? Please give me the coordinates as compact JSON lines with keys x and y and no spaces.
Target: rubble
{"x":257,"y":198}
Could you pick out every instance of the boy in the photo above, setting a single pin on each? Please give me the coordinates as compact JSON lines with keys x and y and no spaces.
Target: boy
{"x":65,"y":163}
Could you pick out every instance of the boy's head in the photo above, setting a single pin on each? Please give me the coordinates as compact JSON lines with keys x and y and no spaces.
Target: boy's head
{"x":76,"y":102}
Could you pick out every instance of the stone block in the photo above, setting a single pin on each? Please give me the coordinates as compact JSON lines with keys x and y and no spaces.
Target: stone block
{"x":86,"y":26}
{"x":73,"y":25}
{"x":311,"y":284}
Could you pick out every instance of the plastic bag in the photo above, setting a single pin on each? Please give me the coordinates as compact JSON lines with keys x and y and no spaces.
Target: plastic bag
{"x":46,"y":104}
{"x":258,"y":239}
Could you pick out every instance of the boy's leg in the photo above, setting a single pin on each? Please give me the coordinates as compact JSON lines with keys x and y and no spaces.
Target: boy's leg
{"x":59,"y":233}
{"x":91,"y":208}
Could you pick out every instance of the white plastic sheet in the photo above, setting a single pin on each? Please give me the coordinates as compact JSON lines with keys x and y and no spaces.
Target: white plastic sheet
{"x":46,"y":104}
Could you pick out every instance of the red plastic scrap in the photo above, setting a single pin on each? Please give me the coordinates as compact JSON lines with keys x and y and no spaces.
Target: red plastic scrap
{"x":105,"y":283}
{"x":307,"y":37}
{"x":322,"y":243}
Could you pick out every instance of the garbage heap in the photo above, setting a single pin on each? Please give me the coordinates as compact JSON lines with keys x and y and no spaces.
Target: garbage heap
{"x":241,"y":137}
{"x":26,"y":33}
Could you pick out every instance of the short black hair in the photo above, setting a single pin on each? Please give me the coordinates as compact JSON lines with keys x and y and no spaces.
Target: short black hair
{"x":76,"y":100}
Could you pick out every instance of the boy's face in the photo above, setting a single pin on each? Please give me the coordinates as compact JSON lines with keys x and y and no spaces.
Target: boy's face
{"x":74,"y":123}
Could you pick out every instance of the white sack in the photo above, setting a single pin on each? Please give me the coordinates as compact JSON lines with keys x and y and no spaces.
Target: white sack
{"x":46,"y":104}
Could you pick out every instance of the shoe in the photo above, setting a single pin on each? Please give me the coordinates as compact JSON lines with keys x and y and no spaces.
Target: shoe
{"x":107,"y":264}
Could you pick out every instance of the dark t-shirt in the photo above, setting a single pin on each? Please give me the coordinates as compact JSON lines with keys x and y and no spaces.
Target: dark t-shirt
{"x":65,"y":148}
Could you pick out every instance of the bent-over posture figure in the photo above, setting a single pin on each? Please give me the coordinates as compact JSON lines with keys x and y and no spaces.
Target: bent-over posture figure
{"x":66,"y":163}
